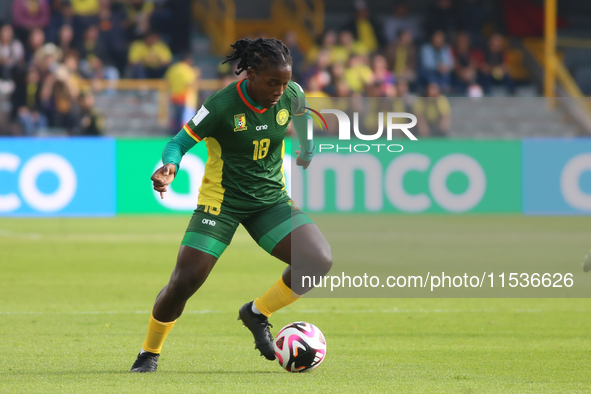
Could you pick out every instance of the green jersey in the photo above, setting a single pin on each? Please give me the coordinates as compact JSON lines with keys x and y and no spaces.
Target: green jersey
{"x":245,"y":147}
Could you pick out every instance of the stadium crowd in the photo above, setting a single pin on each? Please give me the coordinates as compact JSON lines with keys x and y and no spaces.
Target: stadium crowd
{"x":52,"y":52}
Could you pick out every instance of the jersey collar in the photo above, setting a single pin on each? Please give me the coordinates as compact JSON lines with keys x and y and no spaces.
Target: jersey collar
{"x":241,"y":87}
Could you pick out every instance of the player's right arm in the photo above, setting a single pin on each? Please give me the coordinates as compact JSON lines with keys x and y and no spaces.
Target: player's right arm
{"x":193,"y":132}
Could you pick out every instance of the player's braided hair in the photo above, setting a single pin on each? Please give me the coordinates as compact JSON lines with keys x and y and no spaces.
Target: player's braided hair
{"x":259,"y":53}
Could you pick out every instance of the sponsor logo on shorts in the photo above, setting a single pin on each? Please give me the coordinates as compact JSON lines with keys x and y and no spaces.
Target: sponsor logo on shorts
{"x":292,"y":204}
{"x":208,"y":221}
{"x":262,"y":127}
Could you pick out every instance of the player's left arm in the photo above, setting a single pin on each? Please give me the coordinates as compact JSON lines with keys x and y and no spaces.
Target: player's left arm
{"x":300,"y":116}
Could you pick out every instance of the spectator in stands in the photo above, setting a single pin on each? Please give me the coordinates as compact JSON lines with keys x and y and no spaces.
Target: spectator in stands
{"x":403,"y":92}
{"x":92,"y":46}
{"x":11,"y":52}
{"x":59,"y":95}
{"x":402,"y":56}
{"x":342,"y":89}
{"x":138,"y":18}
{"x":474,"y":90}
{"x":85,"y":8}
{"x":65,"y":38}
{"x":313,"y":88}
{"x":358,"y":74}
{"x":5,"y":12}
{"x":337,"y":73}
{"x":468,"y":62}
{"x":367,"y":30}
{"x":348,"y":47}
{"x":433,"y":113}
{"x":95,"y":69}
{"x":111,"y":31}
{"x":496,"y":70}
{"x":180,"y":32}
{"x":182,"y":82}
{"x":329,"y":41}
{"x":399,"y":21}
{"x":320,"y":70}
{"x":86,"y":12}
{"x":472,"y":18}
{"x":28,"y":15}
{"x":46,"y":59}
{"x":381,"y":75}
{"x":441,"y":17}
{"x":27,"y":100}
{"x":149,"y":57}
{"x":35,"y":42}
{"x":437,"y":61}
{"x":61,"y":14}
{"x":92,"y":121}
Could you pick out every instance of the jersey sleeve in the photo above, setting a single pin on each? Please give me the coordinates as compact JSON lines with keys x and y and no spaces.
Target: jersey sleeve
{"x":300,"y":115}
{"x":202,"y":125}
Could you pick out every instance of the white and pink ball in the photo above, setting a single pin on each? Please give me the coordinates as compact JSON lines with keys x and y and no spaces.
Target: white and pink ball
{"x":300,"y":347}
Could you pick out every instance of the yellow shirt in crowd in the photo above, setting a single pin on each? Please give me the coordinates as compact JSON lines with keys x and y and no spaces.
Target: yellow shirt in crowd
{"x":366,"y":35}
{"x":85,"y":7}
{"x":153,"y":56}
{"x":433,"y":108}
{"x":357,"y":77}
{"x":181,"y":78}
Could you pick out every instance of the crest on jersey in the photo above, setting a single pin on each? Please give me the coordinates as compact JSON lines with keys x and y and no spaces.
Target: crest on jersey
{"x":239,"y":122}
{"x":282,"y":117}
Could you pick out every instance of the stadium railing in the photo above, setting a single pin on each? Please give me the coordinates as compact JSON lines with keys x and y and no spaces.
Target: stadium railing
{"x":579,"y":106}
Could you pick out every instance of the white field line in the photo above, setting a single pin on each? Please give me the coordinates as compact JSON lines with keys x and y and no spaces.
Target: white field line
{"x":310,"y":311}
{"x":239,"y":236}
{"x":509,"y":236}
{"x":104,"y":237}
{"x":12,"y":234}
{"x":101,"y":313}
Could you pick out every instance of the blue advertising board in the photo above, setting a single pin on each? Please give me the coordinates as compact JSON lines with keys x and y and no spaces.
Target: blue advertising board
{"x":556,"y":176}
{"x":57,"y":177}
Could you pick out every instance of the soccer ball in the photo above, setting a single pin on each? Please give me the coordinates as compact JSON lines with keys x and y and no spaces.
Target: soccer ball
{"x":300,"y":347}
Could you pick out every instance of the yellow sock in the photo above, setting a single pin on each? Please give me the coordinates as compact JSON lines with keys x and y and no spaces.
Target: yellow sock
{"x":157,"y":333}
{"x":277,"y":297}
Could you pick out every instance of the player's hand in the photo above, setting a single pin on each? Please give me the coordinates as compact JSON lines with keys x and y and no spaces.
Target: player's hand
{"x":163,"y":177}
{"x":303,"y":163}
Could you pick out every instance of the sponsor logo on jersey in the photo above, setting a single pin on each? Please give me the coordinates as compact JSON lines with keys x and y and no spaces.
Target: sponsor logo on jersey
{"x":282,"y":117}
{"x":262,"y":127}
{"x":239,"y":122}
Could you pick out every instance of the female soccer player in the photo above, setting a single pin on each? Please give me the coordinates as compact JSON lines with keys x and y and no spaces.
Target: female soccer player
{"x":243,"y":126}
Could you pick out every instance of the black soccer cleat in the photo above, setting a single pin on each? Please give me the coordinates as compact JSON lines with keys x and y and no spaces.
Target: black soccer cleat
{"x":259,"y":327}
{"x":145,"y":362}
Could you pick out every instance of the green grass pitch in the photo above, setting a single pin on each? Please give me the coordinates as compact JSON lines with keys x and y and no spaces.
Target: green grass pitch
{"x":75,"y":296}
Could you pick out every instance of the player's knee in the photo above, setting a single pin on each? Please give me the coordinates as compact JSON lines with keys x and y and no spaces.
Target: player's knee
{"x":184,"y":282}
{"x":180,"y":287}
{"x":324,"y":261}
{"x":321,"y":260}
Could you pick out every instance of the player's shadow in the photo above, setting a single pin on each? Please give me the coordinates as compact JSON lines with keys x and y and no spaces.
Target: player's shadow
{"x":119,"y":372}
{"x":225,"y":372}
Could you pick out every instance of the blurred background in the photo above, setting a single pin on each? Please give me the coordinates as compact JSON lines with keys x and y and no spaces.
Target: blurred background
{"x":137,"y":68}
